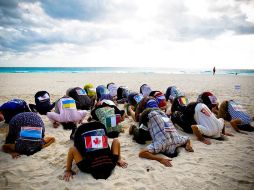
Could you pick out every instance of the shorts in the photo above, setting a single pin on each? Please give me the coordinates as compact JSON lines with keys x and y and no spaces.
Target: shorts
{"x":84,"y":165}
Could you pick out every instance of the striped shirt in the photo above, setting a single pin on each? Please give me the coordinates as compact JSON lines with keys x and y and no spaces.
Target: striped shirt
{"x":165,"y":138}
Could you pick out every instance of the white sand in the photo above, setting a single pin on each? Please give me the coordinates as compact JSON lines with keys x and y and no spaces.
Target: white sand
{"x":222,"y":165}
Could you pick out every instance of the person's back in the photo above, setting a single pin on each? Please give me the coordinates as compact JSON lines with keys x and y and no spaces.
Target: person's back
{"x":185,"y":117}
{"x":42,"y":103}
{"x":209,"y":100}
{"x":145,"y":90}
{"x":234,"y":113}
{"x":83,"y":101}
{"x":172,"y":92}
{"x":165,"y":138}
{"x":92,"y":153}
{"x":107,"y":116}
{"x":26,"y":135}
{"x":211,"y":126}
{"x":160,"y":98}
{"x":112,"y":87}
{"x":122,"y":94}
{"x":89,"y":88}
{"x":179,"y":104}
{"x":207,"y":124}
{"x":66,"y":111}
{"x":12,"y":108}
{"x":103,"y":93}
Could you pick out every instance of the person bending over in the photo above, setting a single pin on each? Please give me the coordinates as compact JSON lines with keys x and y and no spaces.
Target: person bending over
{"x":92,"y":154}
{"x":207,"y":124}
{"x":165,"y":138}
{"x":26,"y":135}
{"x":234,"y":113}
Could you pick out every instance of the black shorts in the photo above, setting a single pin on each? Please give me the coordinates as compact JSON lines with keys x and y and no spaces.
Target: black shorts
{"x":84,"y":165}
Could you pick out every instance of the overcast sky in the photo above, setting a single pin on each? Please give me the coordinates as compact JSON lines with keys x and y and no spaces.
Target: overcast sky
{"x":171,"y":33}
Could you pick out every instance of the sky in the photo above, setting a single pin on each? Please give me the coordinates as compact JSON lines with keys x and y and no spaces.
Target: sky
{"x":130,"y":33}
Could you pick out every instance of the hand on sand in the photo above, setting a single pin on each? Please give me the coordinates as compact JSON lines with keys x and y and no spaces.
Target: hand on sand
{"x":15,"y":155}
{"x":166,"y":162}
{"x":122,"y":164}
{"x":68,"y":175}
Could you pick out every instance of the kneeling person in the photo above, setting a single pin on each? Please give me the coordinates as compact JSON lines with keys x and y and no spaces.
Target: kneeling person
{"x":92,"y":153}
{"x":165,"y":138}
{"x":26,"y":135}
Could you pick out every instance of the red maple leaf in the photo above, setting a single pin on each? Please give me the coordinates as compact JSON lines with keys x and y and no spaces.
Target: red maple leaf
{"x":97,"y":141}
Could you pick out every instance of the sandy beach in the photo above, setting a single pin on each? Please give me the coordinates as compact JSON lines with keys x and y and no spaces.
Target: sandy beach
{"x":222,"y":165}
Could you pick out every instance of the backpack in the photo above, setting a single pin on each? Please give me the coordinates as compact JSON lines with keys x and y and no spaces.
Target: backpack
{"x":107,"y":116}
{"x":83,"y":101}
{"x":12,"y":108}
{"x":236,"y":111}
{"x":91,"y":141}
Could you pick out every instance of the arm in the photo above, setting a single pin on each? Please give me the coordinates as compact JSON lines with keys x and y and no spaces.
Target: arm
{"x":132,"y":113}
{"x":68,"y":171}
{"x":48,"y":141}
{"x":10,"y":149}
{"x":146,"y":154}
{"x":73,"y":154}
{"x":234,"y":123}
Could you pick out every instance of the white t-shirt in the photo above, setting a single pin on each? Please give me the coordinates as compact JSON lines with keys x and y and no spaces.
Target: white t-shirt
{"x":208,"y":124}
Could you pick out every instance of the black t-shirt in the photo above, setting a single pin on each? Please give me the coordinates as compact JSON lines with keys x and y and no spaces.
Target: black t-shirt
{"x":83,"y":101}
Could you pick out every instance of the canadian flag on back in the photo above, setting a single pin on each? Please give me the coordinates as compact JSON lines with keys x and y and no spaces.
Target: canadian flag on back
{"x":97,"y":142}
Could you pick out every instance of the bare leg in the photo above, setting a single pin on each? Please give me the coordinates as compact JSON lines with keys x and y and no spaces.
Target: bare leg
{"x":148,"y":155}
{"x":234,"y":124}
{"x":10,"y":148}
{"x":48,"y":141}
{"x":199,"y":135}
{"x":116,"y":150}
{"x":188,"y":146}
{"x":73,"y":154}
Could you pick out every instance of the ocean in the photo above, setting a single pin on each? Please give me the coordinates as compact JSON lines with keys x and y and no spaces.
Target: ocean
{"x":123,"y":70}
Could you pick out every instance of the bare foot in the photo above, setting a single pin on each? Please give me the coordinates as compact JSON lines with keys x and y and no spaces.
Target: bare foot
{"x":15,"y":155}
{"x":56,"y":124}
{"x":122,"y":164}
{"x":188,"y":146}
{"x":205,"y":141}
{"x":228,"y":134}
{"x":131,"y":129}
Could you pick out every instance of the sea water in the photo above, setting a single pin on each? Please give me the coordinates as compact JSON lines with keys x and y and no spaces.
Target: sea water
{"x":123,"y":70}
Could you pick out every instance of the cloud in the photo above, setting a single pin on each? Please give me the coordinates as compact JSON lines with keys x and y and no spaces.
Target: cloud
{"x":106,"y":28}
{"x":75,"y":9}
